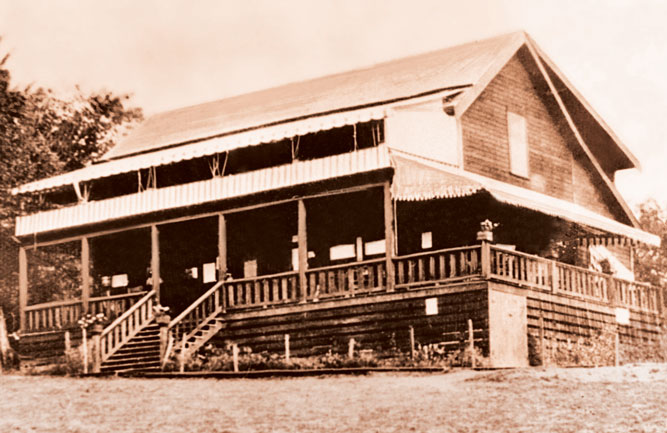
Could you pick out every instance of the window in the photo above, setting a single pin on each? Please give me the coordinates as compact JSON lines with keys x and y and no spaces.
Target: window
{"x":516,"y":127}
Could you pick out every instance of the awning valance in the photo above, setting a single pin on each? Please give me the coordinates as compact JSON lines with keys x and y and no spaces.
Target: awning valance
{"x":421,"y":179}
{"x":196,"y":193}
{"x":205,"y":148}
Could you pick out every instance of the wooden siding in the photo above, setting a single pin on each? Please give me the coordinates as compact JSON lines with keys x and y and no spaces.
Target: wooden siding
{"x":375,"y":325}
{"x":563,"y":322}
{"x":556,"y":167}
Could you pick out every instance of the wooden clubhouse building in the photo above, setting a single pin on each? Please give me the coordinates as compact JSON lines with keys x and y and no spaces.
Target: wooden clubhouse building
{"x":345,"y":207}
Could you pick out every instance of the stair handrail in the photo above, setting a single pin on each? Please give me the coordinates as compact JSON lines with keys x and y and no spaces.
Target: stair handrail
{"x":115,"y":335}
{"x":129,"y":311}
{"x":195,"y":304}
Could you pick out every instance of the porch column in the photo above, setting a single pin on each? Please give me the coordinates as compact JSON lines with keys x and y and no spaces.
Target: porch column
{"x":303,"y":248}
{"x":222,"y":246}
{"x":389,"y":235}
{"x":85,"y":273}
{"x":23,"y":287}
{"x":155,"y":260}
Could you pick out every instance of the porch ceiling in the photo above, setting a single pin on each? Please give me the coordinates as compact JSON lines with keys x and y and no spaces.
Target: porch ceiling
{"x":419,"y":179}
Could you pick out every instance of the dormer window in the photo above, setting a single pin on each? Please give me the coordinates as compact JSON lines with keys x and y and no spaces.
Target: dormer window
{"x":518,"y":144}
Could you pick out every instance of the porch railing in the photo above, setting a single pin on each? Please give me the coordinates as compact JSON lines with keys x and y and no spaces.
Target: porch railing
{"x":346,"y":280}
{"x":264,"y":290}
{"x":555,"y":277}
{"x":57,"y":315}
{"x":433,"y":267}
{"x":121,"y":330}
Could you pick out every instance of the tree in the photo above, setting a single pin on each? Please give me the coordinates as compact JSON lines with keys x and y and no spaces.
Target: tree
{"x":41,"y":135}
{"x":651,"y":262}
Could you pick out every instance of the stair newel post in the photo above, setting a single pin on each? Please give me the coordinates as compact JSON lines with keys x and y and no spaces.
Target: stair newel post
{"x":163,"y":319}
{"x":96,"y":336}
{"x":485,"y":235}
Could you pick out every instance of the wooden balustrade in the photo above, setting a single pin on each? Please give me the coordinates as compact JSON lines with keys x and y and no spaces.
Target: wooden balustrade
{"x":437,"y":266}
{"x":346,"y":279}
{"x":583,"y":283}
{"x":537,"y":272}
{"x":261,"y":291}
{"x":521,"y":268}
{"x":115,"y":305}
{"x":53,"y":315}
{"x":126,"y":325}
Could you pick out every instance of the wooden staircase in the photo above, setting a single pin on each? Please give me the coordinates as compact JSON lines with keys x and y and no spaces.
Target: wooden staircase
{"x":191,"y":329}
{"x":140,"y":353}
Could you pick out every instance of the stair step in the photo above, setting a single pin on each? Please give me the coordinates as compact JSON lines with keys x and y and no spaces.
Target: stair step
{"x":136,"y":353}
{"x":145,"y":366}
{"x":131,"y":360}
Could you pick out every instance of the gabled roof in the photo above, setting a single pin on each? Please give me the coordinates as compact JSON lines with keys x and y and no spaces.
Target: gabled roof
{"x":343,"y":98}
{"x":461,"y":65}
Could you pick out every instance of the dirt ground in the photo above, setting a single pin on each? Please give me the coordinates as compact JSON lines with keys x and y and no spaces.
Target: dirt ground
{"x":624,"y":399}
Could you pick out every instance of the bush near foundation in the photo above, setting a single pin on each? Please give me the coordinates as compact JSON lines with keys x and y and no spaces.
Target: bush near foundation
{"x":211,"y":358}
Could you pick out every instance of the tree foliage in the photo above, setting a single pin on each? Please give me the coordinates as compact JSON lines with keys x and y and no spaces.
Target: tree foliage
{"x":651,"y":262}
{"x":41,"y":135}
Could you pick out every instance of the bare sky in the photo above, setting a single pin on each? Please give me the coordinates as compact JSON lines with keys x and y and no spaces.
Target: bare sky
{"x":171,"y":53}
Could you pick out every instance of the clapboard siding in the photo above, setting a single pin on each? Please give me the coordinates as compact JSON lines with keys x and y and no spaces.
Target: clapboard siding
{"x":557,"y":166}
{"x":375,"y":325}
{"x":565,"y":322}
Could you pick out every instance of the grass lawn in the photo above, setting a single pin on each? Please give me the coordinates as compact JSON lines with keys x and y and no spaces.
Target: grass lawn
{"x":625,"y":399}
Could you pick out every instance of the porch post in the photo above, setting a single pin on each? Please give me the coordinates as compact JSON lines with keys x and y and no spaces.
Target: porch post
{"x":389,"y":235}
{"x":23,"y":287}
{"x":222,"y":246}
{"x":302,"y":247}
{"x":85,"y":273}
{"x":155,"y":260}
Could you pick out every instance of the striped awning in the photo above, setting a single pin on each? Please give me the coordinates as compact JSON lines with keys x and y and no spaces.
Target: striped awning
{"x":442,"y":181}
{"x":206,"y":147}
{"x":211,"y":190}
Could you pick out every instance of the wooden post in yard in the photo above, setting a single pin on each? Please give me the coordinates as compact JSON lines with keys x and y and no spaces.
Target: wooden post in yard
{"x":412,"y":342}
{"x":235,"y":357}
{"x":182,"y":355}
{"x":389,"y":235}
{"x":155,"y":260}
{"x":542,"y":352}
{"x":85,"y":273}
{"x":68,"y":341}
{"x":97,"y":352}
{"x":471,"y":343}
{"x":23,"y":287}
{"x":617,"y":352}
{"x":287,"y":354}
{"x":350,"y":348}
{"x":85,"y":350}
{"x":302,"y":236}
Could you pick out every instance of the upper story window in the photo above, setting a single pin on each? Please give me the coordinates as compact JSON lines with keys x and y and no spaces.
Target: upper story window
{"x":518,"y":142}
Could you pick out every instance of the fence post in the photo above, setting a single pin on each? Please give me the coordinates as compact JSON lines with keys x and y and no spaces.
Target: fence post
{"x":235,"y":356}
{"x":350,"y":348}
{"x":85,"y":350}
{"x":471,"y":343}
{"x":287,"y":351}
{"x":412,"y":342}
{"x":617,"y":354}
{"x":163,"y":321}
{"x":97,"y":348}
{"x":542,"y":360}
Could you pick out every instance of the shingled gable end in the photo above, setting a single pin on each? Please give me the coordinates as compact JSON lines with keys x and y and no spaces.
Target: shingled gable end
{"x":263,"y":214}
